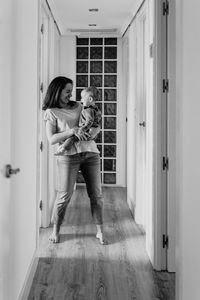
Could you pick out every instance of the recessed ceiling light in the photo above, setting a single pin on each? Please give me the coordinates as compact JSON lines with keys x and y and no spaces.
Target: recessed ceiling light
{"x":92,"y":25}
{"x":93,"y":9}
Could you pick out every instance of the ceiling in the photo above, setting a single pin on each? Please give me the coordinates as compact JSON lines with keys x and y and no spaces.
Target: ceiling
{"x":74,"y":18}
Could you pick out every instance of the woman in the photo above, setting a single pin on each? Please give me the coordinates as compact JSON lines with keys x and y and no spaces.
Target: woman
{"x":62,"y":118}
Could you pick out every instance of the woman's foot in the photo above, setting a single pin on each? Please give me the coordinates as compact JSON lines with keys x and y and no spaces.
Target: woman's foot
{"x":99,"y":235}
{"x":101,"y":239}
{"x":55,"y":237}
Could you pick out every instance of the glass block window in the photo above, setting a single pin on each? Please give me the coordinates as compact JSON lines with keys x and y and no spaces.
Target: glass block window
{"x":110,"y":109}
{"x":82,"y":80}
{"x":110,"y":137}
{"x":110,"y":52}
{"x":96,"y":80}
{"x":96,"y":64}
{"x":110,"y":80}
{"x":80,"y":178}
{"x":96,"y":41}
{"x":82,"y":41}
{"x":96,"y":53}
{"x":96,"y":67}
{"x":109,"y":178}
{"x":82,"y":53}
{"x":110,"y":41}
{"x":82,"y":67}
{"x":110,"y":67}
{"x":110,"y":95}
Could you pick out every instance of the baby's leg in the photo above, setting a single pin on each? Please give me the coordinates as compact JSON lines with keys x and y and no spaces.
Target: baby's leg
{"x":93,"y":131}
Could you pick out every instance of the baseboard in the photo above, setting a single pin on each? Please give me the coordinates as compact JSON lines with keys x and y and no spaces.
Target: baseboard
{"x":103,"y":185}
{"x":29,"y":278}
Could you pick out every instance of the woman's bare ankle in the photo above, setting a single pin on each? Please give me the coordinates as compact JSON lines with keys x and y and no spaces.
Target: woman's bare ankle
{"x":54,"y":237}
{"x":100,"y":235}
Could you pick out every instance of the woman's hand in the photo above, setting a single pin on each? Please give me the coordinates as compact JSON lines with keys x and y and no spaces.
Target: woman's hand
{"x":74,"y":130}
{"x":82,"y":136}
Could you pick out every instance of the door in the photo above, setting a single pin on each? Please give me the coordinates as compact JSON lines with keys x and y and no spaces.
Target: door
{"x":141,"y":27}
{"x":5,"y":155}
{"x":18,"y":133}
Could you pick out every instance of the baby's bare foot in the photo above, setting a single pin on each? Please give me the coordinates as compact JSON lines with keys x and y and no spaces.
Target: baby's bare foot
{"x":59,"y":152}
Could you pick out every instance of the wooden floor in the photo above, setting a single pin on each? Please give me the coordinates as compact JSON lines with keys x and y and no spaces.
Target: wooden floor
{"x":80,"y":268}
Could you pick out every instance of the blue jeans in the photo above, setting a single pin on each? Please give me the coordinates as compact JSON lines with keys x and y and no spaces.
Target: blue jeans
{"x":68,"y":167}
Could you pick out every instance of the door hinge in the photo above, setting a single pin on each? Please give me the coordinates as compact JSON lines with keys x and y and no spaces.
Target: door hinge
{"x":40,"y":205}
{"x":165,"y":163}
{"x":42,"y":28}
{"x":41,"y":146}
{"x":165,"y":85}
{"x":165,"y":241}
{"x":151,"y":50}
{"x":165,"y":8}
{"x":41,"y":87}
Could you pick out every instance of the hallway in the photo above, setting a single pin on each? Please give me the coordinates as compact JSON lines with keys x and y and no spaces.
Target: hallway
{"x":80,"y":268}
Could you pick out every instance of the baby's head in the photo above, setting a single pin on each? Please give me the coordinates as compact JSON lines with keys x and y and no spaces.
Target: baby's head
{"x":90,"y":95}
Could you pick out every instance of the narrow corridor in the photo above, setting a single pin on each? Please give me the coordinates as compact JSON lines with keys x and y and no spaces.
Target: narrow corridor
{"x":80,"y":268}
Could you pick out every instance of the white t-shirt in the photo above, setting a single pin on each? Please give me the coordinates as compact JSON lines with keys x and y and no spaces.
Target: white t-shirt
{"x":64,"y":119}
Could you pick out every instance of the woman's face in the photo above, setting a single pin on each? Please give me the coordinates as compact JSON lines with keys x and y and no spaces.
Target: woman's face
{"x":66,"y":94}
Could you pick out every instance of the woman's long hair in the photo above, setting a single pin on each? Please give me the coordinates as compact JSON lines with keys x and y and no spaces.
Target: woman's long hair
{"x":54,"y":91}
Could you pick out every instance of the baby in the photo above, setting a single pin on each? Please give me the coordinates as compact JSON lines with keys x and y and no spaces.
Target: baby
{"x":89,"y":119}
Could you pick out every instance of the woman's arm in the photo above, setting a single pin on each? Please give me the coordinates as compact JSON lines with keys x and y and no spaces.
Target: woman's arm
{"x":54,"y":137}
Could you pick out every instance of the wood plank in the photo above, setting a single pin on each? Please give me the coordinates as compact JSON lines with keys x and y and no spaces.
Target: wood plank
{"x":80,"y":268}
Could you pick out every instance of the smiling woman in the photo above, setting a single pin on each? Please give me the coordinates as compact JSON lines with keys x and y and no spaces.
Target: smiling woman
{"x":62,"y":119}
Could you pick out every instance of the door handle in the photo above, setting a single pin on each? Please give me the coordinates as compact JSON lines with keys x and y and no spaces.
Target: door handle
{"x":10,"y":171}
{"x":143,"y":124}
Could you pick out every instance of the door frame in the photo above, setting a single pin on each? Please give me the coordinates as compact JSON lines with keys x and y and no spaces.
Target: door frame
{"x":46,"y":164}
{"x":43,"y":209}
{"x":141,"y":87}
{"x":172,"y":138}
{"x":164,"y":180}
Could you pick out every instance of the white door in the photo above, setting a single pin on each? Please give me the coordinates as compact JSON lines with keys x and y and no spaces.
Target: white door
{"x":141,"y":24}
{"x":18,"y":127}
{"x":5,"y":155}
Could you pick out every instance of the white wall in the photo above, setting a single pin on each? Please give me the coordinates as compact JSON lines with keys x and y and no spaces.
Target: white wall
{"x":68,"y":58}
{"x":188,"y":148}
